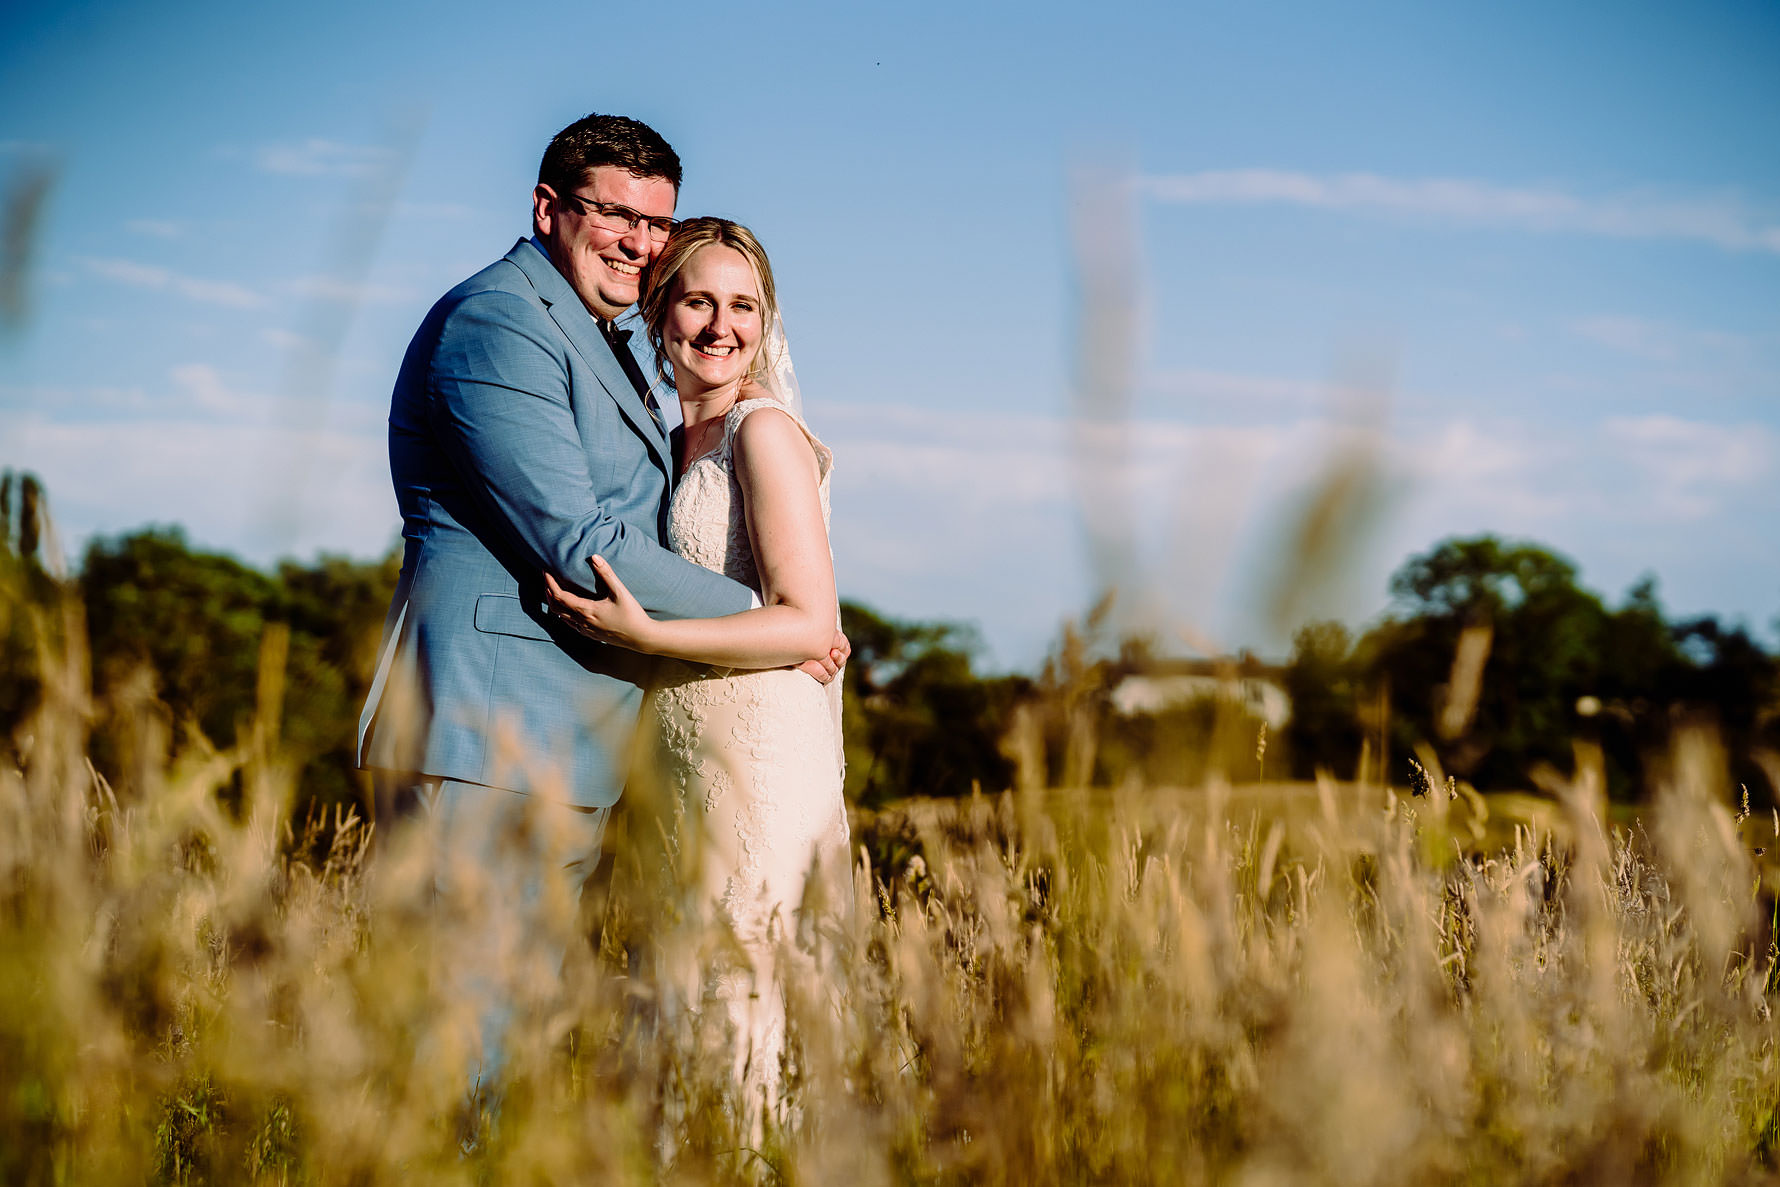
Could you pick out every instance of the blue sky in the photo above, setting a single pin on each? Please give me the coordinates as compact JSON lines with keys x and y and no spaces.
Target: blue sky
{"x":1550,"y":234}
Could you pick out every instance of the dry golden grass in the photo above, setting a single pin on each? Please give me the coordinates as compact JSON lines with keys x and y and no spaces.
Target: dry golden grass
{"x":1304,"y":984}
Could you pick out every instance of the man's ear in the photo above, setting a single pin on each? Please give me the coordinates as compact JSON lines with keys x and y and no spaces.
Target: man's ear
{"x":544,"y":208}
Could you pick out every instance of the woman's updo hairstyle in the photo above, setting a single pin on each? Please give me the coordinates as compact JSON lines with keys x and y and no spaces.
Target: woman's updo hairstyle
{"x":664,"y":271}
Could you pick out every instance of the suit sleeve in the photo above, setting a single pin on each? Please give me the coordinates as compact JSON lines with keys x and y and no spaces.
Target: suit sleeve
{"x":500,"y":392}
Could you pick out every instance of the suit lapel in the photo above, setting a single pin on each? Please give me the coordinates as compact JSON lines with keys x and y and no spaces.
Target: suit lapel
{"x":577,"y":325}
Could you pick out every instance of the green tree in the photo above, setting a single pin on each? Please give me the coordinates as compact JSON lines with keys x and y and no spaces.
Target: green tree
{"x":191,"y":623}
{"x":29,"y":598}
{"x":1561,"y":666}
{"x":1731,"y":681}
{"x":1325,"y":685}
{"x":192,"y":619}
{"x":1547,"y":635}
{"x":919,"y":720}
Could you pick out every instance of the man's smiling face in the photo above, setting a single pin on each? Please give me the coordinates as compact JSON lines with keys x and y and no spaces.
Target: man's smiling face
{"x":605,"y":267}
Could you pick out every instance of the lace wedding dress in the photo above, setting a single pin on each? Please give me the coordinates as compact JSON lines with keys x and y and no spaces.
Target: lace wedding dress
{"x":756,"y":761}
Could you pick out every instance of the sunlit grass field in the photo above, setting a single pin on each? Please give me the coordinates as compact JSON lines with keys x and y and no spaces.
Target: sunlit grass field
{"x":1309,"y":983}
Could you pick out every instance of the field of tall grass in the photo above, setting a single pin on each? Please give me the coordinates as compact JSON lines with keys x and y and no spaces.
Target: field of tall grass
{"x":1331,"y":983}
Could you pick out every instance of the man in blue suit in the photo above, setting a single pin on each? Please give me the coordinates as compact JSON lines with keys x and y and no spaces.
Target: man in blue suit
{"x":522,"y":440}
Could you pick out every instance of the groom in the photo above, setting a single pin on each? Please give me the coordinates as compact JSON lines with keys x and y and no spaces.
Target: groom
{"x":522,"y":440}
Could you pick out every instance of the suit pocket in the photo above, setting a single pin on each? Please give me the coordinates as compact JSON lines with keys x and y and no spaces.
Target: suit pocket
{"x":503,"y":614}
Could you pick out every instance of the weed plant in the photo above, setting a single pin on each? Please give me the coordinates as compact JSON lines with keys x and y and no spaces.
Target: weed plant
{"x":1334,"y":984}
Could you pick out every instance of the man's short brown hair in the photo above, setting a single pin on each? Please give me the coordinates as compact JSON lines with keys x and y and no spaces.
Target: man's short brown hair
{"x":614,"y":141}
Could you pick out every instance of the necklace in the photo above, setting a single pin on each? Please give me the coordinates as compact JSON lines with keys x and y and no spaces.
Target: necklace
{"x":698,"y":437}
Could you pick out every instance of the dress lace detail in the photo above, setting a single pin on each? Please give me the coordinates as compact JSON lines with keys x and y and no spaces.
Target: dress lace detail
{"x":756,"y":760}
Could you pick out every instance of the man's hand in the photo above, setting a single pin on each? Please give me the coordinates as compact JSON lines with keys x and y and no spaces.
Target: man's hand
{"x":824,"y":670}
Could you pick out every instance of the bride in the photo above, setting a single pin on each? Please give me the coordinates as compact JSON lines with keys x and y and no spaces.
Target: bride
{"x":751,"y":745}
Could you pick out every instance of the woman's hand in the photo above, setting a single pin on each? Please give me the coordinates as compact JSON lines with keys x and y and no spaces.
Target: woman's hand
{"x":617,"y":619}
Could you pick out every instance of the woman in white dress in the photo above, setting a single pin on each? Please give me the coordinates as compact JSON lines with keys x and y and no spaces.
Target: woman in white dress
{"x":751,"y":745}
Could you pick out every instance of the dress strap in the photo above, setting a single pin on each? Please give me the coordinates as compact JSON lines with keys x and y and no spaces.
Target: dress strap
{"x":734,"y":418}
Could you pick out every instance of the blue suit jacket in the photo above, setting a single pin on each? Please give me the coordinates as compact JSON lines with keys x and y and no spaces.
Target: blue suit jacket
{"x":518,"y":444}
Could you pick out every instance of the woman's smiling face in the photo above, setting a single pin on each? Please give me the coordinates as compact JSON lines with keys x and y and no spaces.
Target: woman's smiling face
{"x":714,"y":323}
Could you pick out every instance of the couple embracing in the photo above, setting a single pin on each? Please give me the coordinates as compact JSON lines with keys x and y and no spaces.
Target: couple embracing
{"x":566,"y":558}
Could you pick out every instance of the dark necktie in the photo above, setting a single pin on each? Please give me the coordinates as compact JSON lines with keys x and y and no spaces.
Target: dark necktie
{"x":620,"y":343}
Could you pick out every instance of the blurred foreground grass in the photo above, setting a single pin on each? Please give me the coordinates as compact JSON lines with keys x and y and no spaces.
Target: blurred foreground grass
{"x":1267,"y":984}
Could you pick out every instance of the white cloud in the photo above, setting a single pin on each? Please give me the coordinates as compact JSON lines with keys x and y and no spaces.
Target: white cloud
{"x":205,"y":390}
{"x":58,"y":399}
{"x":157,"y":228}
{"x":1254,"y":392}
{"x":981,"y":517}
{"x":286,"y":340}
{"x":192,"y":390}
{"x":334,"y":288}
{"x":1693,"y":468}
{"x":1718,"y":221}
{"x":1629,"y":335}
{"x":317,"y":157}
{"x":440,"y":210}
{"x":149,"y":276}
{"x":218,"y":480}
{"x":1655,"y":340}
{"x":976,"y":516}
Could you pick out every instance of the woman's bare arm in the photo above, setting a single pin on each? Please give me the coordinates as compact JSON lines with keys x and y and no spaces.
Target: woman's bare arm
{"x":778,"y":475}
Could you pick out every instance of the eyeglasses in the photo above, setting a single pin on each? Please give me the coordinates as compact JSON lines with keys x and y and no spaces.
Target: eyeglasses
{"x":623,"y":219}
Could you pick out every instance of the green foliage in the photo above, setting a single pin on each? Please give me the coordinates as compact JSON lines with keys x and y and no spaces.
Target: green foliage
{"x":192,"y":624}
{"x":1111,"y":711}
{"x":29,"y":606}
{"x":194,"y":619}
{"x":1139,"y":986}
{"x":176,"y":638}
{"x":177,"y":634}
{"x":1180,"y":745}
{"x":919,"y":721}
{"x":1561,"y":665}
{"x":1546,"y":635}
{"x":1482,"y":578}
{"x":1325,"y":688}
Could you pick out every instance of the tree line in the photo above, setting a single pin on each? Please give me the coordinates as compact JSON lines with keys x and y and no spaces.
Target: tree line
{"x":1492,"y":657}
{"x":1554,"y":665}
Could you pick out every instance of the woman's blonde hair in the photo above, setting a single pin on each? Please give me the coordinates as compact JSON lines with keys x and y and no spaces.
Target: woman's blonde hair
{"x":687,"y":238}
